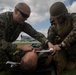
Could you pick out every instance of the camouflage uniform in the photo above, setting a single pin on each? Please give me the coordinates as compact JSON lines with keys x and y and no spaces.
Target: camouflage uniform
{"x":9,"y":31}
{"x":65,"y":32}
{"x":63,"y":29}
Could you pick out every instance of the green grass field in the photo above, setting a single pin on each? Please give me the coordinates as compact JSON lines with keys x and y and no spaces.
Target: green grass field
{"x":64,"y":73}
{"x":10,"y":73}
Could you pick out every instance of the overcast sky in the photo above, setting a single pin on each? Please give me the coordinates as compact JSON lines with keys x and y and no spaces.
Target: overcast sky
{"x":39,"y":17}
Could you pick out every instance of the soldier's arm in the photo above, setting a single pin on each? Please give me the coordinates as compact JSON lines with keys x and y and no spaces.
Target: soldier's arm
{"x":3,"y":43}
{"x":27,"y":28}
{"x":51,"y":34}
{"x":50,"y":37}
{"x":33,"y":33}
{"x":71,"y":38}
{"x":8,"y":46}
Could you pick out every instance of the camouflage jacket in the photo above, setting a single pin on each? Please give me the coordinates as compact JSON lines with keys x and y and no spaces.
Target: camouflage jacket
{"x":65,"y":32}
{"x":10,"y":30}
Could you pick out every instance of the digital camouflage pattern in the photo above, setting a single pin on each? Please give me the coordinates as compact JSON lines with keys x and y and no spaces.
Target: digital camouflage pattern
{"x":65,"y":32}
{"x":9,"y":31}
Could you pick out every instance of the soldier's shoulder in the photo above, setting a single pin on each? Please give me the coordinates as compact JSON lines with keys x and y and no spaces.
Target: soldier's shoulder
{"x":4,"y":17}
{"x":5,"y":14}
{"x":52,"y":26}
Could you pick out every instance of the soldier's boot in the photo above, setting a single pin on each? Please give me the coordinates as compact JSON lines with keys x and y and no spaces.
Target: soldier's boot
{"x":71,"y":65}
{"x":60,"y":61}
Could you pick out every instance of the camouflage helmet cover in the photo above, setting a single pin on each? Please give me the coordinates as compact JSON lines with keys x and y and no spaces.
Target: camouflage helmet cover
{"x":58,"y":9}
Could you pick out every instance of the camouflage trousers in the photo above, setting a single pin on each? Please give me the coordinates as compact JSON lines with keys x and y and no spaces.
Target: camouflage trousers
{"x":60,"y":61}
{"x":71,"y":57}
{"x":65,"y":59}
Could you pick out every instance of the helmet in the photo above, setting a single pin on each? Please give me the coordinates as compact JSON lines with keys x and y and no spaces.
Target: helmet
{"x":23,"y":7}
{"x":57,"y":9}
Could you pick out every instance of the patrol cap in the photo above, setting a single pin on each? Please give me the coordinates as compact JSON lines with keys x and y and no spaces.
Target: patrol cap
{"x":24,"y":9}
{"x":57,"y":9}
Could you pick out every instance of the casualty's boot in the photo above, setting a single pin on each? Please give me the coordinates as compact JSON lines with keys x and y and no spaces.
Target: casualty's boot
{"x":60,"y":61}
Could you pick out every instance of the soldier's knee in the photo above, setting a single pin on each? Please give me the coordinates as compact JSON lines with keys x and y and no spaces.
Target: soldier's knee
{"x":29,"y":61}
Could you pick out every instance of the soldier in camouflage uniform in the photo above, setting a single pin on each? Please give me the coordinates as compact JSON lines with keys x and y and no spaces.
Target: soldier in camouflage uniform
{"x":11,"y":24}
{"x":62,"y":33}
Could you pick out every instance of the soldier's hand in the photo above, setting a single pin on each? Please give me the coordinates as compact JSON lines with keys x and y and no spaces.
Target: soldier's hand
{"x":50,"y":45}
{"x":27,"y":48}
{"x":55,"y":49}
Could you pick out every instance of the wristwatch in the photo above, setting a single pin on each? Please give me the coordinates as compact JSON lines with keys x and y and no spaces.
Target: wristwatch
{"x":47,"y":43}
{"x":60,"y":45}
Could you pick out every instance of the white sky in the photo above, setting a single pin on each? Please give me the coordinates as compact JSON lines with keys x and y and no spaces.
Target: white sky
{"x":39,"y":9}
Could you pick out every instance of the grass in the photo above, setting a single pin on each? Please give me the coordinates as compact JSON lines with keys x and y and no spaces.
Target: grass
{"x":64,"y":73}
{"x":73,"y":72}
{"x":10,"y":73}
